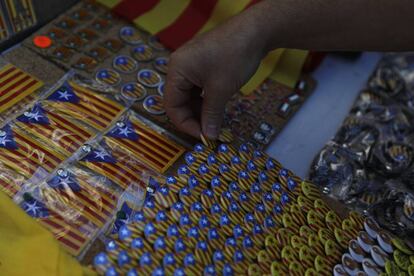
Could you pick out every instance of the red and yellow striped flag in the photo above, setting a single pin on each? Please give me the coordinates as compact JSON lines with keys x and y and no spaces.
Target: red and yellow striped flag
{"x":15,"y":85}
{"x":84,"y":105}
{"x":26,"y":155}
{"x":121,"y":168}
{"x":153,"y":149}
{"x":82,"y":192}
{"x":71,"y":233}
{"x":54,"y":129}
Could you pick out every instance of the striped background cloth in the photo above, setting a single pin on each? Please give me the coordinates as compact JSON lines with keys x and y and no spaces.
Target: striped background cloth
{"x":176,"y":21}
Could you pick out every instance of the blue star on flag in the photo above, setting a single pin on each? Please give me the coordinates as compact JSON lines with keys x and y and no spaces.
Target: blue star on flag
{"x":7,"y":138}
{"x":64,"y":93}
{"x":36,"y":115}
{"x":123,"y":130}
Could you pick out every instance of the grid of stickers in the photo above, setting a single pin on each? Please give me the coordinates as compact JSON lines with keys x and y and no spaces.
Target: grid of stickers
{"x":230,"y":212}
{"x":65,"y":160}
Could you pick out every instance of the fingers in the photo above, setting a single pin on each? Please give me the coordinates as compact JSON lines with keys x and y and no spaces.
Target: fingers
{"x":179,"y":103}
{"x":212,"y":113}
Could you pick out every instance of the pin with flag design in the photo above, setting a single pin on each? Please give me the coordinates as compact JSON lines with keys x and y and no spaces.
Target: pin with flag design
{"x":133,"y":91}
{"x":154,"y":105}
{"x":124,"y":64}
{"x":142,"y":52}
{"x":54,"y":129}
{"x":84,"y":105}
{"x":10,"y":181}
{"x":26,"y":155}
{"x":108,"y":77}
{"x":16,"y":85}
{"x":130,"y":35}
{"x":149,"y":78}
{"x":151,"y":148}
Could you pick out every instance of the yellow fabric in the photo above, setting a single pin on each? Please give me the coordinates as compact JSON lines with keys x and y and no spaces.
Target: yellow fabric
{"x":223,"y":10}
{"x":26,"y":248}
{"x":162,"y":15}
{"x":289,"y":67}
{"x":265,"y":69}
{"x":109,"y":3}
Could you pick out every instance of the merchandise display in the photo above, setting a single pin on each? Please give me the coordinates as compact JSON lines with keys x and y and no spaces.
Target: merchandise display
{"x":368,"y":164}
{"x":238,"y":211}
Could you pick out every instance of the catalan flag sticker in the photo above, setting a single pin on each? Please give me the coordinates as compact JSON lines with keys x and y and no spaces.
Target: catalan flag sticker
{"x":15,"y":85}
{"x":124,"y":64}
{"x":116,"y":165}
{"x":26,"y":155}
{"x":149,"y":78}
{"x":133,"y":91}
{"x":84,"y":105}
{"x":130,"y":35}
{"x":83,"y":192}
{"x":54,"y":129}
{"x":66,"y":229}
{"x":10,"y":181}
{"x":108,"y":77}
{"x":151,"y":148}
{"x":154,"y":105}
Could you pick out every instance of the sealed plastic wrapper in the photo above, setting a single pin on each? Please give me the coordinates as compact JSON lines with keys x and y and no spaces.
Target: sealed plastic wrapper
{"x":117,"y":165}
{"x":68,"y":226}
{"x":369,"y":163}
{"x":58,"y":130}
{"x":78,"y":101}
{"x":25,"y":154}
{"x":10,"y":181}
{"x":144,"y":143}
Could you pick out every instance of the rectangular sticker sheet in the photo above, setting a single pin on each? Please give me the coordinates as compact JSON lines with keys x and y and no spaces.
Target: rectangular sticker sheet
{"x":15,"y":85}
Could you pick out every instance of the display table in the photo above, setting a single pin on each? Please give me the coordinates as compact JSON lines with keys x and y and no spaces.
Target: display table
{"x":339,"y":83}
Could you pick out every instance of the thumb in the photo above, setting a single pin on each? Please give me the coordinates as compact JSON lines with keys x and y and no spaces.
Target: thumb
{"x":212,"y":113}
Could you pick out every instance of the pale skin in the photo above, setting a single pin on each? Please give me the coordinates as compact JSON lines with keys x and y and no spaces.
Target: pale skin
{"x":209,"y":69}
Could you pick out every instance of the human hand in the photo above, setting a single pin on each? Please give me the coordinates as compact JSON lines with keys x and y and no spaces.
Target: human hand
{"x":207,"y":71}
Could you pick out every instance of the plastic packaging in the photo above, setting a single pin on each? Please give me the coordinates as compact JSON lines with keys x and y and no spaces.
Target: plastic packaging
{"x":369,"y":163}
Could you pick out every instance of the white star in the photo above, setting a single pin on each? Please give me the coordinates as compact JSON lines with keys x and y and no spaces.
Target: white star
{"x":4,"y":141}
{"x":32,"y":208}
{"x":64,"y":95}
{"x":34,"y":115}
{"x":101,"y":154}
{"x":125,"y":131}
{"x":171,"y":179}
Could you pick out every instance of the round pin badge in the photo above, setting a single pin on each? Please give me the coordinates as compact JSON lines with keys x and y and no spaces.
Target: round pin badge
{"x":130,"y":35}
{"x":124,"y":64}
{"x":142,"y":52}
{"x":133,"y":91}
{"x":149,"y":78}
{"x":160,"y":89}
{"x":153,"y":104}
{"x":108,"y":77}
{"x":161,"y":64}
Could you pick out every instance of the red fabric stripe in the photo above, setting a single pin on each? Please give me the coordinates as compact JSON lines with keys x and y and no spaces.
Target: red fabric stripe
{"x":69,"y":145}
{"x":61,"y":227}
{"x":131,"y":9}
{"x":188,"y":23}
{"x":11,"y":78}
{"x":20,"y":161}
{"x":68,"y":243}
{"x":82,"y":132}
{"x":100,"y":100}
{"x":157,"y":138}
{"x":41,"y":149}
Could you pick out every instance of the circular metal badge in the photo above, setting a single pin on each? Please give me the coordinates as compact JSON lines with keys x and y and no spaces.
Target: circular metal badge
{"x":160,"y":89}
{"x":154,"y":105}
{"x":149,"y":78}
{"x":108,"y":76}
{"x":155,"y":44}
{"x":130,"y":35}
{"x":142,"y":52}
{"x":124,"y":64}
{"x":133,"y":91}
{"x":161,"y":64}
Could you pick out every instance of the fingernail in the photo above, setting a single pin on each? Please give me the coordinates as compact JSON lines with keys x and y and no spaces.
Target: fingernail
{"x":212,"y":131}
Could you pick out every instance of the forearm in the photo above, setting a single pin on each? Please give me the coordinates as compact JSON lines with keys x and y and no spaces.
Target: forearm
{"x":378,"y":25}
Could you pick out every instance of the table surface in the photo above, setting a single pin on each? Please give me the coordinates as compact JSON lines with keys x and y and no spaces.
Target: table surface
{"x":339,"y":82}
